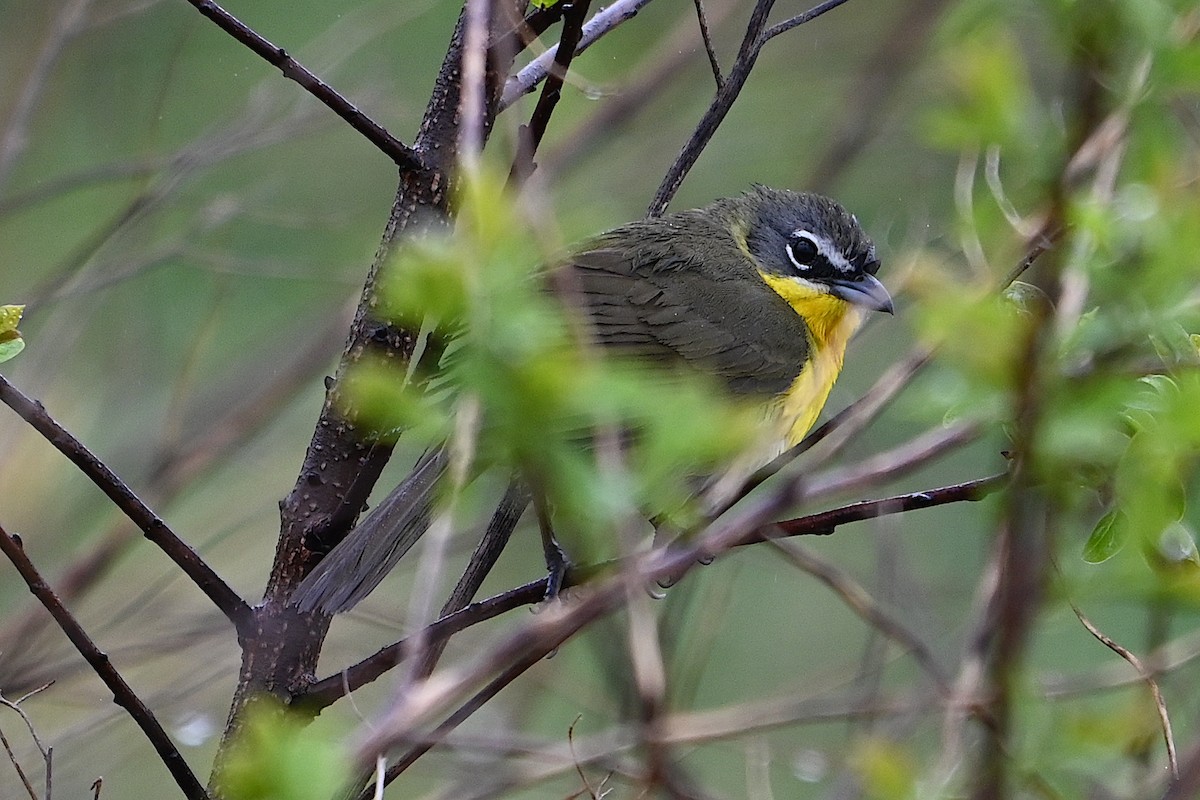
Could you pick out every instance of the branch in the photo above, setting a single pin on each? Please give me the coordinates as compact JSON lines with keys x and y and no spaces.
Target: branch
{"x":1160,"y":705}
{"x":827,"y":522}
{"x":530,"y":136}
{"x":201,"y":574}
{"x":706,"y":35}
{"x":123,"y":695}
{"x":800,"y":19}
{"x":308,"y":354}
{"x":462,"y":713}
{"x":69,"y":21}
{"x":47,"y":753}
{"x":404,"y":157}
{"x":536,"y":71}
{"x":328,"y":690}
{"x":651,"y":76}
{"x":530,"y":28}
{"x":560,"y":622}
{"x":757,"y":35}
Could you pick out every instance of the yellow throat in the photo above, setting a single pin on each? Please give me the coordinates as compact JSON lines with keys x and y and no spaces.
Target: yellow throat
{"x":831,"y":322}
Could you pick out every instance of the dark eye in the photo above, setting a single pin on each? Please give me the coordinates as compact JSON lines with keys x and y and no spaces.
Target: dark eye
{"x":802,"y":250}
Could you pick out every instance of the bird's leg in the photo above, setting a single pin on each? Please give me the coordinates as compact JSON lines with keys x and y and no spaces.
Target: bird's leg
{"x":557,"y":563}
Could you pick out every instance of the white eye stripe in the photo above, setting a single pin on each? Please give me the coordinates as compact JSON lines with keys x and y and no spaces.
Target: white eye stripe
{"x":825,"y":248}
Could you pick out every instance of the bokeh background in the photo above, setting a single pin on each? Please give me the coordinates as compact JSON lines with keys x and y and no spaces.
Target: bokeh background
{"x":190,"y":232}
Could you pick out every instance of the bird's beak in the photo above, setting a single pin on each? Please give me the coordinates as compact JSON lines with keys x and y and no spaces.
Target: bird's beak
{"x":865,"y":290}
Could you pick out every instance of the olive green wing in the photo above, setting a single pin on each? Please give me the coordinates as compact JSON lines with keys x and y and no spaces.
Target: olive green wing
{"x":661,"y":305}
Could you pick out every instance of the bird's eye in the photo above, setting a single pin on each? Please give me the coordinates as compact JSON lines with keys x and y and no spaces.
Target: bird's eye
{"x":802,"y":250}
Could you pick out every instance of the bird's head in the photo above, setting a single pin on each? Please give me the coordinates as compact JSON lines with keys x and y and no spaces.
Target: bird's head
{"x":810,"y":250}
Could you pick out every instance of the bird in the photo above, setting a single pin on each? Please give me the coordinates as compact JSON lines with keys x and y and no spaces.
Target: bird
{"x":762,"y":291}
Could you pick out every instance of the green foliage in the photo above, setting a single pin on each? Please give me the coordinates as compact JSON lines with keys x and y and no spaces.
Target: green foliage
{"x":276,"y":758}
{"x":548,"y":395}
{"x":11,"y":342}
{"x":1106,"y":379}
{"x":885,"y":769}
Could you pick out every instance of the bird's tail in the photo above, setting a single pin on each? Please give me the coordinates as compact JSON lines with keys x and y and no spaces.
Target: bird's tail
{"x":363,"y":559}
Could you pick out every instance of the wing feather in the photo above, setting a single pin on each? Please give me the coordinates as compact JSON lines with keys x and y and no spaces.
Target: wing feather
{"x":666,"y":305}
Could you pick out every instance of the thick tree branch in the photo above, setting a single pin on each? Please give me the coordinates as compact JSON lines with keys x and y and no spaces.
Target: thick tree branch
{"x":346,"y":456}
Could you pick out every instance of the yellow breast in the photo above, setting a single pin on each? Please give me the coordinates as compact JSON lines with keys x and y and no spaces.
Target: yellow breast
{"x":831,"y":322}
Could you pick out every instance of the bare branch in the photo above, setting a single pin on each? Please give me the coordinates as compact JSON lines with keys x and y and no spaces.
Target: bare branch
{"x":157,"y":531}
{"x":404,"y":157}
{"x":536,"y":71}
{"x":860,"y":601}
{"x":757,"y":35}
{"x":326,"y":691}
{"x":530,"y":136}
{"x":69,"y":21}
{"x":47,"y":753}
{"x":800,"y":19}
{"x":706,"y":35}
{"x":123,"y":694}
{"x":652,"y":77}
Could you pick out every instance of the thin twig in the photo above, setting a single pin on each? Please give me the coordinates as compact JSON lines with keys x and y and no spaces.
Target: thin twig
{"x":326,"y":691}
{"x":464,"y":712}
{"x":12,"y":757}
{"x":751,"y":45}
{"x":47,"y":753}
{"x":800,"y":19}
{"x":15,"y":137}
{"x":757,"y":35}
{"x":404,"y":157}
{"x":706,"y":35}
{"x":899,"y":460}
{"x":530,"y":136}
{"x":123,"y":694}
{"x":154,"y":528}
{"x":603,"y":21}
{"x":654,"y":75}
{"x":826,"y":522}
{"x":1146,"y":675}
{"x":860,"y":601}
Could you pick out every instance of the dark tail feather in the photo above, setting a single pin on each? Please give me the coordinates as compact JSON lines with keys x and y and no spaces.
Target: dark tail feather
{"x":363,"y":559}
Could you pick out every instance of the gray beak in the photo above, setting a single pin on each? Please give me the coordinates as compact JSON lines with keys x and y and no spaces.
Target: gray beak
{"x":864,"y":290}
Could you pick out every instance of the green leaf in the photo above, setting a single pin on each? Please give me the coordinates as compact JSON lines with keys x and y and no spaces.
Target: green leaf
{"x":1107,"y":539}
{"x":1177,"y":546}
{"x":1028,"y":300}
{"x":275,"y":758}
{"x":11,"y":342}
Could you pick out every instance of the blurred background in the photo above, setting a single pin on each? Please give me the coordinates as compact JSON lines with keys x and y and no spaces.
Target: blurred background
{"x":190,"y":233}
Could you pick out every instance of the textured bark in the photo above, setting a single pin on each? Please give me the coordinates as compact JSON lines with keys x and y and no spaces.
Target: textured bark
{"x":345,"y":457}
